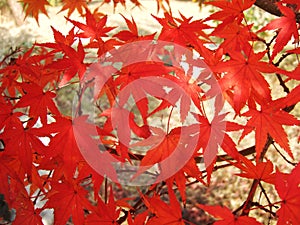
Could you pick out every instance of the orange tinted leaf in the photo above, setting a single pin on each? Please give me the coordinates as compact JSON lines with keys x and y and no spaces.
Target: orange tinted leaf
{"x":72,"y":5}
{"x":33,"y":7}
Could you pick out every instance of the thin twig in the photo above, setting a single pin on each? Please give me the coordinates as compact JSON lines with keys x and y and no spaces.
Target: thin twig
{"x":285,"y":159}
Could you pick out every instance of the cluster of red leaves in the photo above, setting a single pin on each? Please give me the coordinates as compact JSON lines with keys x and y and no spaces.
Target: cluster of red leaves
{"x":41,"y":160}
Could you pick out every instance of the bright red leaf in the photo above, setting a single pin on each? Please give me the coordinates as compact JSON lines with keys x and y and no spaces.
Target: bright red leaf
{"x":164,"y":213}
{"x":269,"y":120}
{"x":225,"y":216}
{"x":287,"y":187}
{"x":72,"y":202}
{"x":287,"y":27}
{"x":243,"y":78}
{"x":38,"y":101}
{"x":262,"y":171}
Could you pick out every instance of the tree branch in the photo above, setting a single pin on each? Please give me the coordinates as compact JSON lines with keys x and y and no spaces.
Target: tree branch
{"x":271,"y":7}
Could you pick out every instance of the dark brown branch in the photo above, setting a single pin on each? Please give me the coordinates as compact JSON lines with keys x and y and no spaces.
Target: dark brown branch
{"x":248,"y":203}
{"x":220,"y":158}
{"x":270,"y":7}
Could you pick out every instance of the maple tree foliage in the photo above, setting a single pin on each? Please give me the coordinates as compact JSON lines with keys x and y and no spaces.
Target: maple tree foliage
{"x":43,"y":165}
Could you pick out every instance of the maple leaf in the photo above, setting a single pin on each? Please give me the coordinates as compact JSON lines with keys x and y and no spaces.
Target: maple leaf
{"x":186,"y":90}
{"x":262,"y":171}
{"x":104,"y":213}
{"x":231,"y":10}
{"x":225,"y":216}
{"x":140,"y":76}
{"x":131,"y":34}
{"x":269,"y":120}
{"x":72,"y":63}
{"x":138,"y":219}
{"x":93,"y":29}
{"x":187,"y":33}
{"x":243,"y":77}
{"x":291,"y":99}
{"x":164,"y":213}
{"x":33,"y":8}
{"x":60,"y":39}
{"x":287,"y":27}
{"x":115,"y":2}
{"x":8,"y":118}
{"x":214,"y":134}
{"x":73,"y":142}
{"x":171,"y":151}
{"x":72,"y":201}
{"x":24,"y":142}
{"x":287,"y":187}
{"x":39,"y":102}
{"x":9,"y":171}
{"x":24,"y":67}
{"x":27,"y":213}
{"x":236,"y":37}
{"x":72,"y":5}
{"x":192,"y":170}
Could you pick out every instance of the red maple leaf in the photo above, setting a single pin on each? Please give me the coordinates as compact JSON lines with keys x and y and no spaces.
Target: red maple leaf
{"x":243,"y":78}
{"x":128,"y":35}
{"x":164,"y":213}
{"x":72,"y":63}
{"x":288,"y":189}
{"x":225,"y":216}
{"x":105,"y":213}
{"x":132,"y":34}
{"x":170,"y":150}
{"x":39,"y":102}
{"x":72,"y":200}
{"x":186,"y":33}
{"x":263,"y":171}
{"x":214,"y":134}
{"x":269,"y":120}
{"x":72,"y":139}
{"x":8,"y":118}
{"x":27,"y":212}
{"x":231,"y":10}
{"x":236,"y":37}
{"x":25,"y":142}
{"x":93,"y":29}
{"x":172,"y":145}
{"x":9,"y":171}
{"x":139,"y":219}
{"x":60,"y":40}
{"x":287,"y":27}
